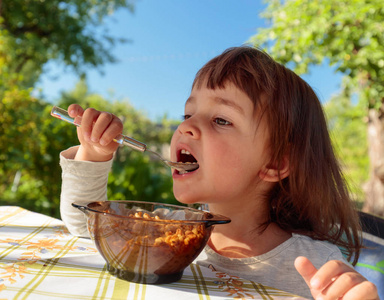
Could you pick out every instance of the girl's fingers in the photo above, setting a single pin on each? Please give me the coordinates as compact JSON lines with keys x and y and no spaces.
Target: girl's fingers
{"x":96,"y":132}
{"x":113,"y":130}
{"x":88,"y":121}
{"x":305,"y":268}
{"x":75,"y":110}
{"x":335,"y":280}
{"x":328,"y":273}
{"x":100,"y":127}
{"x":342,"y":285}
{"x":365,"y":290}
{"x":96,"y":126}
{"x":101,"y":122}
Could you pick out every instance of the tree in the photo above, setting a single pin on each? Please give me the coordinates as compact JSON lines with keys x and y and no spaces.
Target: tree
{"x":32,"y":32}
{"x":350,"y":35}
{"x":348,"y":131}
{"x":29,"y":145}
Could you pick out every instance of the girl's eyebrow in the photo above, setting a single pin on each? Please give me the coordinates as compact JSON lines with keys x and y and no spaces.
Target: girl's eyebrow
{"x":229,"y":103}
{"x":221,"y":101}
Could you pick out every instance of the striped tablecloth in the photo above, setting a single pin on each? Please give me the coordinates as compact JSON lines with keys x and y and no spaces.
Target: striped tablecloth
{"x":40,"y":259}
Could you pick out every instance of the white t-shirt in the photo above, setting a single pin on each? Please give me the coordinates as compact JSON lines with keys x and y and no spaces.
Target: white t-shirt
{"x":85,"y":182}
{"x":276,"y":267}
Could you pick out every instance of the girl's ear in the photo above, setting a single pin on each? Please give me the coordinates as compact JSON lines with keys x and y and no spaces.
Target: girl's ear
{"x":272,"y":173}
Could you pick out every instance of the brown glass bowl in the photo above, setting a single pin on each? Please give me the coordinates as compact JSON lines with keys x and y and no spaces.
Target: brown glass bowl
{"x":153,"y":247}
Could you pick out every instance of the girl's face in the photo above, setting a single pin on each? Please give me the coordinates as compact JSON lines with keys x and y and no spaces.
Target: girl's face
{"x":222,"y":132}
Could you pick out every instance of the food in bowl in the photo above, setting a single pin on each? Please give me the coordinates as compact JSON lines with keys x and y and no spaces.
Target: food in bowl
{"x":148,"y":242}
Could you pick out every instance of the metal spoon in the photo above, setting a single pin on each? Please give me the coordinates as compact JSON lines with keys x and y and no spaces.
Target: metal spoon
{"x":121,"y":139}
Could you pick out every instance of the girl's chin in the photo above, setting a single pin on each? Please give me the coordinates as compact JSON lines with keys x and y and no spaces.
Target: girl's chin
{"x":186,"y":198}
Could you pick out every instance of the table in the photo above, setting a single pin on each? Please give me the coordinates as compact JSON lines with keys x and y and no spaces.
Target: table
{"x":40,"y":259}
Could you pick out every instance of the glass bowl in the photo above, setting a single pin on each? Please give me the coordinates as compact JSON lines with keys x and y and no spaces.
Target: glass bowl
{"x":147,"y":242}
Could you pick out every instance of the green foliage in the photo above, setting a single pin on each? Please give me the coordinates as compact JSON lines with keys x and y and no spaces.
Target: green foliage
{"x":348,"y":129}
{"x":33,"y":32}
{"x":350,"y":34}
{"x":29,"y":142}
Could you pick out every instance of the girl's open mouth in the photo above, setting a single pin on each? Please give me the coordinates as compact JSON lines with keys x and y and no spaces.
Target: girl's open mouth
{"x":186,"y":157}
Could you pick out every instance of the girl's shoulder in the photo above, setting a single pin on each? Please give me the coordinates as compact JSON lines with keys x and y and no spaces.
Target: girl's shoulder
{"x":300,"y":240}
{"x":317,"y":251}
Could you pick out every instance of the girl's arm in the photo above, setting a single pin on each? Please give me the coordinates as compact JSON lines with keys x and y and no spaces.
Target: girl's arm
{"x":82,"y":182}
{"x":85,"y":168}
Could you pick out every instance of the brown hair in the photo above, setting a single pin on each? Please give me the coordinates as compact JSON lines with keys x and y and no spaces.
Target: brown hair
{"x":314,"y":199}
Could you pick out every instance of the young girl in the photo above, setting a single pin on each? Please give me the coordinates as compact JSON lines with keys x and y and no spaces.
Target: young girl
{"x":259,"y":135}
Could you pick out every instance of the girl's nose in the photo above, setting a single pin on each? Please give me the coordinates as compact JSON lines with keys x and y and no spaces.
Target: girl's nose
{"x":190,"y":128}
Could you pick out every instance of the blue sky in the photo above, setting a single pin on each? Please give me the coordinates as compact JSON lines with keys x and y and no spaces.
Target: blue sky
{"x":171,"y":40}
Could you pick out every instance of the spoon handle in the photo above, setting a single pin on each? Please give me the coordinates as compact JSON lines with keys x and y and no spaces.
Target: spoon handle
{"x":121,"y":139}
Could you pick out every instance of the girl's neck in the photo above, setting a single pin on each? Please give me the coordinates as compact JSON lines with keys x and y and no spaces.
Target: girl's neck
{"x":245,"y":236}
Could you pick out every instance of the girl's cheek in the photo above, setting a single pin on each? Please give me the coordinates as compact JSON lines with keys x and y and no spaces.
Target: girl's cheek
{"x":173,"y":141}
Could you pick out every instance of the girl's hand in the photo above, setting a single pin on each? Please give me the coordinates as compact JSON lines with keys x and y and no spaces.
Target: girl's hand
{"x":96,"y":133}
{"x":335,"y":280}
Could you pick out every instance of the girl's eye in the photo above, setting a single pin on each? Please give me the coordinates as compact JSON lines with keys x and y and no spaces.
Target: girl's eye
{"x":220,"y":121}
{"x":185,"y":117}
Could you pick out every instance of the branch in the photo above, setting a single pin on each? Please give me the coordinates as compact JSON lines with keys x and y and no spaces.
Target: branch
{"x":30,"y":29}
{"x":24,"y":29}
{"x":21,"y":64}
